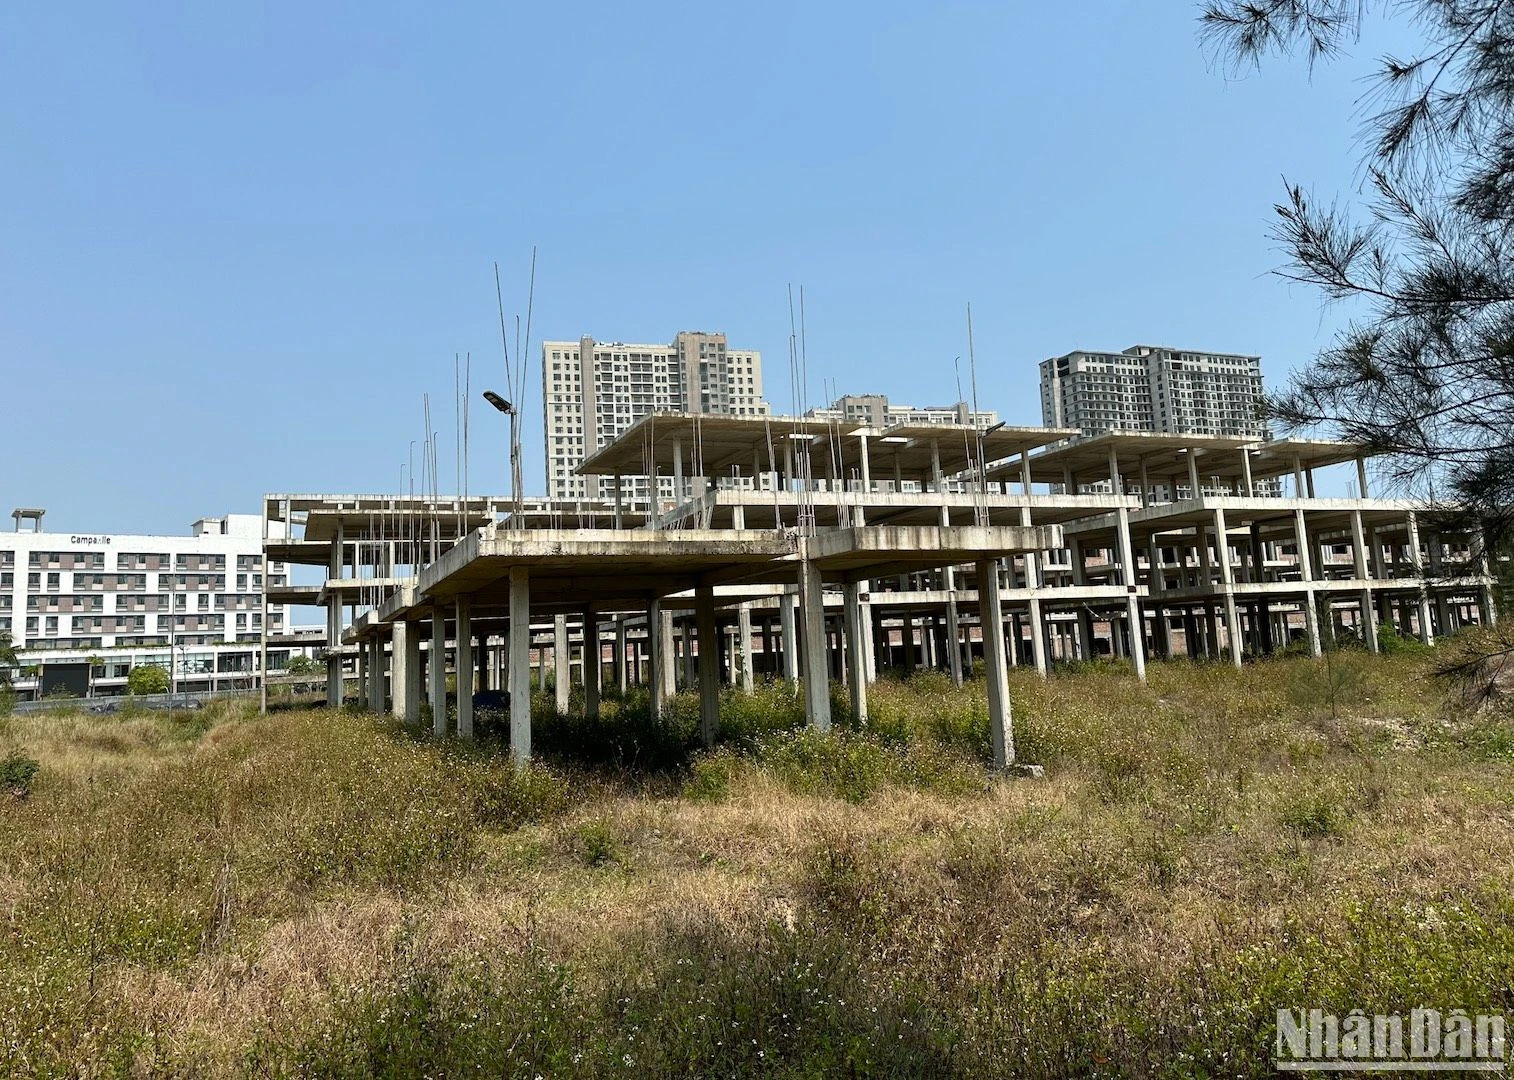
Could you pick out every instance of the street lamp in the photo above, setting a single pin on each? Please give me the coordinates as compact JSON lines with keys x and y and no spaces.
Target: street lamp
{"x":515,"y":480}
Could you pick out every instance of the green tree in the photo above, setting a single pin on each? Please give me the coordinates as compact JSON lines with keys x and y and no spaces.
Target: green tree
{"x":8,"y":664}
{"x":1425,"y":372}
{"x":147,"y":679}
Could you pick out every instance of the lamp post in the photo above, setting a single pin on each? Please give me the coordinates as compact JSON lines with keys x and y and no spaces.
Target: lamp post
{"x":515,"y":480}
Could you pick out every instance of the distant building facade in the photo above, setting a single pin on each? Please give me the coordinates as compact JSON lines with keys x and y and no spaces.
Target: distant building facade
{"x":128,"y":600}
{"x":875,"y":410}
{"x":594,"y":390}
{"x":1154,"y":388}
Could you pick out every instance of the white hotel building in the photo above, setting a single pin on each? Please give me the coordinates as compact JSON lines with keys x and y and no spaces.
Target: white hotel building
{"x":124,"y":600}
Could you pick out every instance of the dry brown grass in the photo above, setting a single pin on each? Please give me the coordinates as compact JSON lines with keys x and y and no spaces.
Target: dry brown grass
{"x":264,"y":881}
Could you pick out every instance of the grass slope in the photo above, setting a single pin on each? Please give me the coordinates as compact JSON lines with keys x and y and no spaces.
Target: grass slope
{"x":316,"y":893}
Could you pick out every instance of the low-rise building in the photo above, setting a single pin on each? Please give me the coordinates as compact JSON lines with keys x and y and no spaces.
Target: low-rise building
{"x":99,"y":604}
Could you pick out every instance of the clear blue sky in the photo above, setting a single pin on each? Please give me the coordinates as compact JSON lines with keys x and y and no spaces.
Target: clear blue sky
{"x":237,"y":244}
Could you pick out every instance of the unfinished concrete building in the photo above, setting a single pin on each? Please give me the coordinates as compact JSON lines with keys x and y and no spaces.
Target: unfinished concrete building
{"x":809,"y":550}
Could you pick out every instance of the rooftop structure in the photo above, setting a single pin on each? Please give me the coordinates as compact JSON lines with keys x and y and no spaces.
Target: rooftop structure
{"x":875,"y":410}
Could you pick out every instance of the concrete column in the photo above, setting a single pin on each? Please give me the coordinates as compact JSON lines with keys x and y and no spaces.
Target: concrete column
{"x":1032,"y":580}
{"x":789,"y":633}
{"x":593,"y":667}
{"x":376,"y":674}
{"x":817,"y":698}
{"x":1128,"y":574}
{"x":867,"y":470}
{"x":953,"y":627}
{"x":856,"y":650}
{"x":621,"y":656}
{"x":744,"y":650}
{"x":870,"y":654}
{"x":709,"y":664}
{"x":1478,"y":543}
{"x":1246,"y":485}
{"x":520,"y":665}
{"x":1227,"y":583}
{"x":407,"y":672}
{"x":335,"y":687}
{"x":1366,"y":613}
{"x":1361,"y":478}
{"x":1306,"y":573}
{"x":664,"y":632}
{"x":436,"y":670}
{"x":562,"y":663}
{"x":465,"y":668}
{"x":991,"y":614}
{"x":659,"y":657}
{"x":1194,"y":490}
{"x":1426,"y":634}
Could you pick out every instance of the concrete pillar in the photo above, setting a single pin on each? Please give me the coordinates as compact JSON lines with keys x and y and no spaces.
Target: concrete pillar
{"x":664,"y":631}
{"x":789,"y":632}
{"x":376,"y":674}
{"x":1032,"y":580}
{"x":562,"y":663}
{"x":659,"y":659}
{"x":406,"y":690}
{"x":817,"y":697}
{"x":593,"y":667}
{"x":870,"y":651}
{"x":1128,"y":573}
{"x":1227,"y":583}
{"x":436,"y":671}
{"x":335,"y":687}
{"x":1426,"y":634}
{"x":991,"y":614}
{"x":709,"y":664}
{"x":690,"y":666}
{"x":953,"y":628}
{"x":856,"y":650}
{"x":1306,"y":574}
{"x":520,"y":665}
{"x":465,"y":668}
{"x":744,"y":645}
{"x":621,"y":657}
{"x":1366,"y":614}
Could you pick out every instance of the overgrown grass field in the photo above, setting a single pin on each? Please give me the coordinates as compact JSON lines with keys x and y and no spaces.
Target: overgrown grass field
{"x":317,"y":893}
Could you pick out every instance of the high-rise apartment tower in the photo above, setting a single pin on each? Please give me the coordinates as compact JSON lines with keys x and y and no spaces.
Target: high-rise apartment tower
{"x":593,"y":390}
{"x":1154,"y":388}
